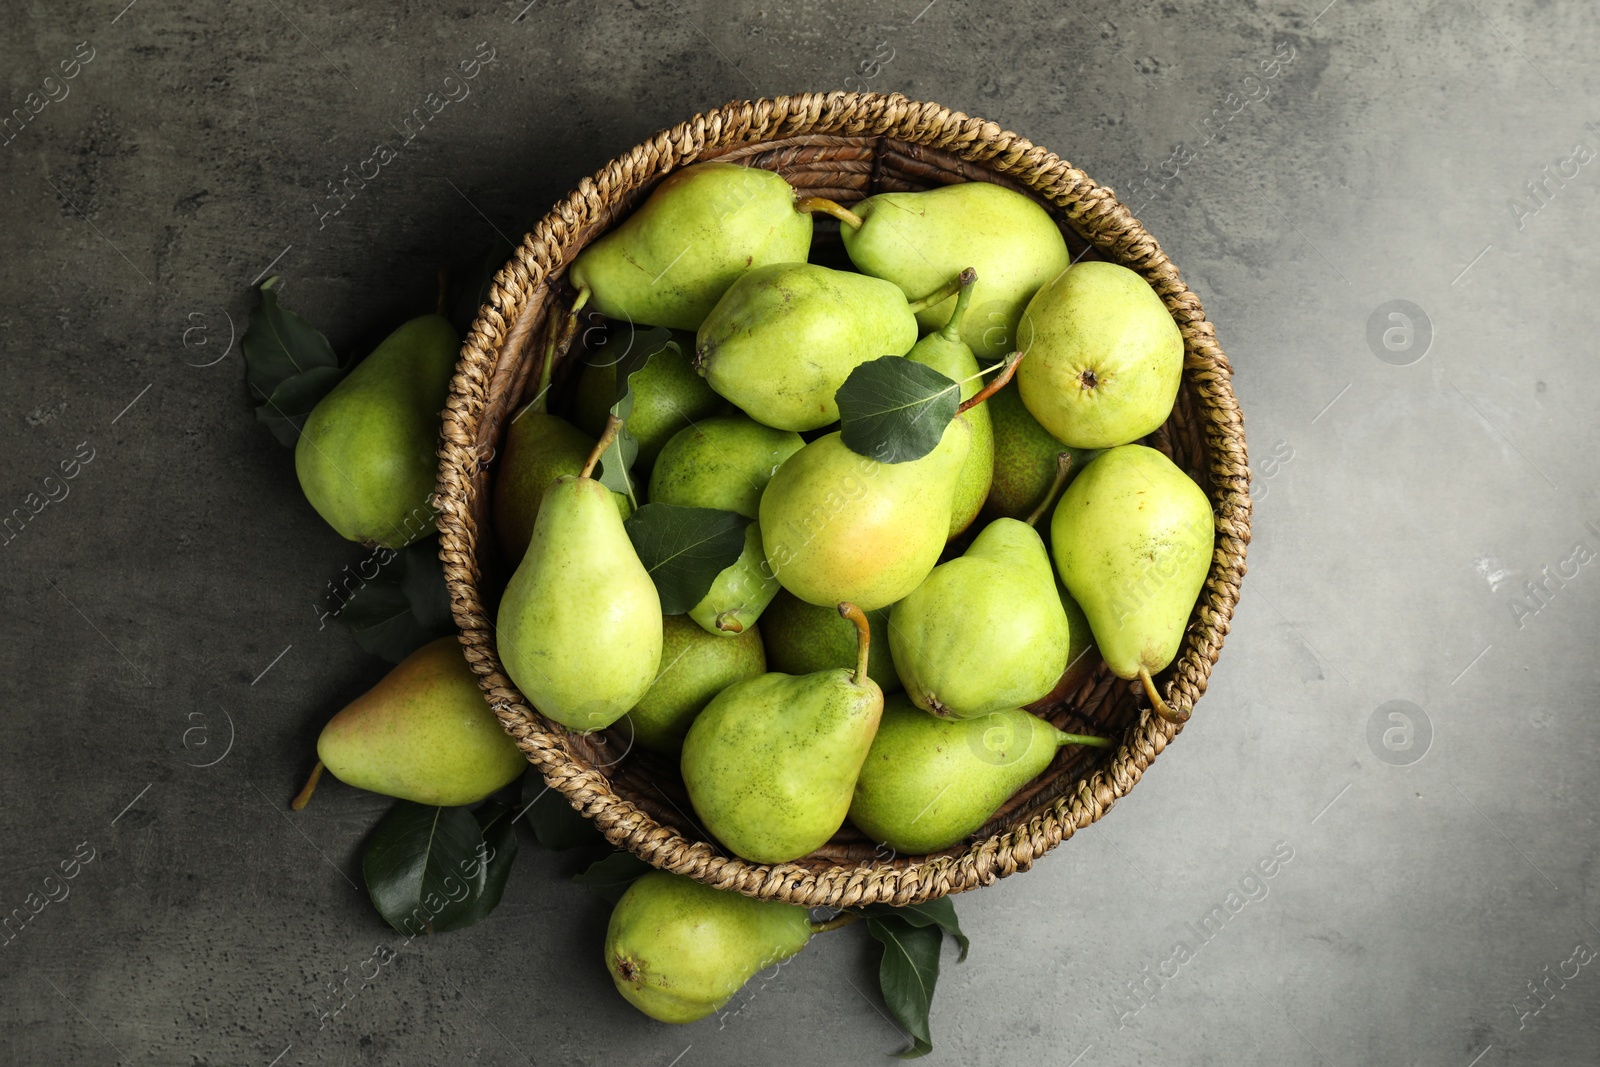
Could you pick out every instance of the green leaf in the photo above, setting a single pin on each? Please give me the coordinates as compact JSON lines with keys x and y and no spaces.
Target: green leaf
{"x":631,"y":350}
{"x":555,"y":822}
{"x":940,"y":912}
{"x":895,"y":409}
{"x":684,"y":549}
{"x":425,"y":869}
{"x":403,"y":606}
{"x":907,"y":975}
{"x":286,"y":410}
{"x":497,"y":823}
{"x":610,"y":878}
{"x":289,"y":365}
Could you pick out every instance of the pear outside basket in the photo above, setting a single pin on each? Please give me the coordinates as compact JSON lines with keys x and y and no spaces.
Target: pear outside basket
{"x":844,"y":146}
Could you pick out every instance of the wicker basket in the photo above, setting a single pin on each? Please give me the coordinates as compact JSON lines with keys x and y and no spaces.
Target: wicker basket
{"x":843,"y":146}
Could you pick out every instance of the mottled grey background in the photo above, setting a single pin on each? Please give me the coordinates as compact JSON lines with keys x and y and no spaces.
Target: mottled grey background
{"x":1406,"y":495}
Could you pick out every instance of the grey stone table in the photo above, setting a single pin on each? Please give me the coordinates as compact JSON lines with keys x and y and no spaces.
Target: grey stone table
{"x":1395,"y":232}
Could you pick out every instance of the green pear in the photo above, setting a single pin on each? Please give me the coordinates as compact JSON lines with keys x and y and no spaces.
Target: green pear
{"x":679,"y":950}
{"x":1133,"y":539}
{"x":539,"y":448}
{"x":771,"y":762}
{"x":803,"y":638}
{"x":784,"y":337}
{"x":725,"y":463}
{"x":667,"y":396}
{"x":423,"y":734}
{"x":695,"y":666}
{"x":670,"y":261}
{"x":1082,"y":656}
{"x":919,"y":240}
{"x":947,"y":353}
{"x":929,"y":782}
{"x":367,"y":456}
{"x":1024,"y":457}
{"x":722,"y":462}
{"x":1104,"y":357}
{"x":842,"y":526}
{"x":983,"y":632}
{"x":579,"y":627}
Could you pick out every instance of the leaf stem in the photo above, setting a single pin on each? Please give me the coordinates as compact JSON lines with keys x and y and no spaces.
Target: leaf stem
{"x":613,"y":427}
{"x":839,"y":921}
{"x":1161,"y":707}
{"x":995,"y":386}
{"x":303,"y":797}
{"x":863,"y":638}
{"x":1063,"y":465}
{"x":967,"y":279}
{"x":813,"y":204}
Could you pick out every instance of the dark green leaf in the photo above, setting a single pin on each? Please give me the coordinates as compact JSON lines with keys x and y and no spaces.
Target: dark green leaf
{"x":684,"y":549}
{"x":610,"y":878}
{"x":497,"y":824}
{"x":940,"y":912}
{"x":425,"y":868}
{"x":402,"y":606}
{"x":631,"y":350}
{"x":907,"y":975}
{"x":895,"y":409}
{"x":286,"y":410}
{"x":289,"y":365}
{"x":556,"y":823}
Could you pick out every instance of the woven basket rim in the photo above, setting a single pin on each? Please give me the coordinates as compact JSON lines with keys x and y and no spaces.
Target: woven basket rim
{"x":501,"y":332}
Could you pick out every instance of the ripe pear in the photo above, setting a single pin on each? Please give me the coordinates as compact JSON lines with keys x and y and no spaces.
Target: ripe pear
{"x":725,"y":463}
{"x":929,"y":782}
{"x":947,"y":353}
{"x":1104,"y":357}
{"x":1024,"y":457}
{"x":1133,"y":539}
{"x":679,"y":950}
{"x":670,"y":261}
{"x":579,"y":628}
{"x":784,"y":337}
{"x":842,"y":526}
{"x":695,"y":666}
{"x":539,"y":448}
{"x":771,"y":762}
{"x":984,"y":632}
{"x":919,"y":240}
{"x":667,"y":396}
{"x":1082,"y":656}
{"x":367,"y":455}
{"x":803,"y":638}
{"x":423,"y":734}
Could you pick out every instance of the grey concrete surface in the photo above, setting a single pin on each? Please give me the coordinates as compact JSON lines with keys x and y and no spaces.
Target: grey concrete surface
{"x":1442,"y":883}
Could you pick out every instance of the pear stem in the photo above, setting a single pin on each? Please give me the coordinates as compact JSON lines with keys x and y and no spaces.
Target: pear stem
{"x":444,"y":286}
{"x":994,"y":386}
{"x":1161,"y":707}
{"x":838,"y":921}
{"x":302,"y":798}
{"x":813,"y":204}
{"x":1063,"y":466}
{"x":966,"y":280}
{"x":941,"y":294}
{"x":863,"y":638}
{"x":613,"y":427}
{"x":1084,"y":739}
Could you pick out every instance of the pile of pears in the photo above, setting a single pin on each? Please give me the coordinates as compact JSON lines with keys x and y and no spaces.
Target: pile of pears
{"x":770,"y":692}
{"x":873,"y":654}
